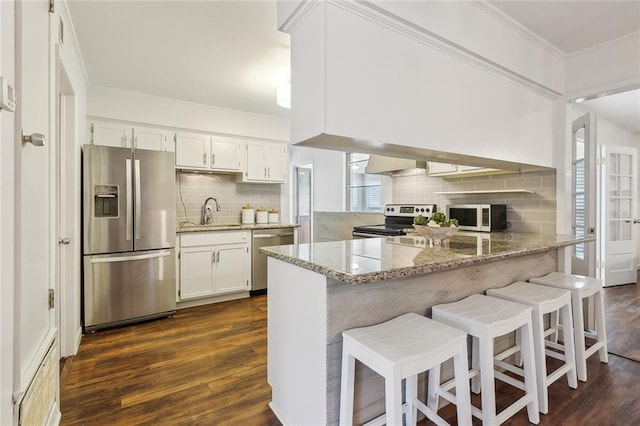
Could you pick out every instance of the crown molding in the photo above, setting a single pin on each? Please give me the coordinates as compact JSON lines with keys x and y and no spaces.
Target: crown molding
{"x":73,"y":40}
{"x":299,"y":14}
{"x":514,"y":25}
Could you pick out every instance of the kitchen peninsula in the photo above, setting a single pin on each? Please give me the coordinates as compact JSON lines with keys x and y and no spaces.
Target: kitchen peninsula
{"x":318,"y":290}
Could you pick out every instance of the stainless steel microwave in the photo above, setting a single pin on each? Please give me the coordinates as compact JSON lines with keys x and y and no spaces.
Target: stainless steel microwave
{"x":479,"y":217}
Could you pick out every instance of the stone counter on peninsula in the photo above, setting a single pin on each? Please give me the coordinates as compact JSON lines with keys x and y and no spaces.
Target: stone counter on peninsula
{"x":316,"y":291}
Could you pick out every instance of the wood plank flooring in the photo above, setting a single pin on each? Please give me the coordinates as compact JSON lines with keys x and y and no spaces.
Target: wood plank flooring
{"x":207,"y":366}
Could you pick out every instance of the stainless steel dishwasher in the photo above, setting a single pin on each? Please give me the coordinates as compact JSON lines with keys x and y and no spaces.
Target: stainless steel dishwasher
{"x":265,"y":238}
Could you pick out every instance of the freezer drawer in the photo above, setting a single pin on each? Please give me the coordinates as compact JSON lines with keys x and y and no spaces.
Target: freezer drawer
{"x":128,"y":287}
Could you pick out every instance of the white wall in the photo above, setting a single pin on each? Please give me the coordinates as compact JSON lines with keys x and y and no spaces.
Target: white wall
{"x":70,"y":314}
{"x":7,"y":194}
{"x":328,"y":176}
{"x":137,"y":107}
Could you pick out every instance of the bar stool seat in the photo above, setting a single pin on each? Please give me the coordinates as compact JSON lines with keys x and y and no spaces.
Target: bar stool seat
{"x":582,"y":287}
{"x":545,"y":300}
{"x":398,"y":349}
{"x":484,"y":318}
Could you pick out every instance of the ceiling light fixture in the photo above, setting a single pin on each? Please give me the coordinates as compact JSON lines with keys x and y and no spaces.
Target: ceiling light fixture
{"x":283,"y":95}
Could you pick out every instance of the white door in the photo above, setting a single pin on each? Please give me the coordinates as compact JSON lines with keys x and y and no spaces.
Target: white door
{"x":276,"y":163}
{"x":256,"y":161}
{"x":196,"y":272}
{"x":192,"y":150}
{"x":231,"y":268}
{"x":225,"y":153}
{"x":108,"y":133}
{"x":583,"y":194}
{"x":619,"y":207}
{"x":68,"y":187}
{"x":150,"y":138}
{"x":35,"y":382}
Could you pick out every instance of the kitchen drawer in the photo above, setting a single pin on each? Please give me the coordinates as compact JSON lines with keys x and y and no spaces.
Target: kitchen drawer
{"x":214,"y":238}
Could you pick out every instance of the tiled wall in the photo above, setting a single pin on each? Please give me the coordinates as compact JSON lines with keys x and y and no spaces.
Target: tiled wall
{"x":193,"y":189}
{"x":525,"y":212}
{"x":337,"y":226}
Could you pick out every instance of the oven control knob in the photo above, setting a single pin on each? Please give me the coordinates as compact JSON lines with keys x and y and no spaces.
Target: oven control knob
{"x":392,"y":209}
{"x":427,"y":209}
{"x":422,"y":210}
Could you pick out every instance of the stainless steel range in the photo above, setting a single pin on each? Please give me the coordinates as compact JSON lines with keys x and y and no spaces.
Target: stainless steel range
{"x":397,"y":218}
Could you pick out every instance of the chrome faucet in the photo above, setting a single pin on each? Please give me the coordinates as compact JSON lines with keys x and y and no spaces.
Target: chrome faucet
{"x":207,"y":218}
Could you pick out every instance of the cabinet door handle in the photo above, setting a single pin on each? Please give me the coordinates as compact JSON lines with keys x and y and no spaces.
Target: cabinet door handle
{"x":218,"y":257}
{"x":213,"y":257}
{"x":213,"y":159}
{"x":265,"y":172}
{"x":268,"y":172}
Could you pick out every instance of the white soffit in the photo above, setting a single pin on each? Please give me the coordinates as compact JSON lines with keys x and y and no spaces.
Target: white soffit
{"x":227,"y":54}
{"x":573,"y":26}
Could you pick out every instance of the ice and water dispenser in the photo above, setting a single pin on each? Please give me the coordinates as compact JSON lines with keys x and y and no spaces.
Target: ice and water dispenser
{"x":105,"y":201}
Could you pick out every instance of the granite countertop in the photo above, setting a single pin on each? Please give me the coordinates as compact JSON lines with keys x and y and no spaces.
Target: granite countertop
{"x":371,"y":260}
{"x":189,"y":227}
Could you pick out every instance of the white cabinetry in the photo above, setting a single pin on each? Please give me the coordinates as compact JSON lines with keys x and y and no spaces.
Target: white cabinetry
{"x":153,"y":138}
{"x":266,"y":162}
{"x":112,"y":133}
{"x":206,"y":152}
{"x":193,"y":150}
{"x":454,"y":170}
{"x":108,"y":133}
{"x":212,"y":263}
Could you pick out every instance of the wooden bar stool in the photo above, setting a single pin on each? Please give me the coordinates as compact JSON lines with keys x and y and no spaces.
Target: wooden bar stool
{"x":486,"y":318}
{"x":545,"y":300}
{"x":582,"y":288}
{"x":401,"y":348}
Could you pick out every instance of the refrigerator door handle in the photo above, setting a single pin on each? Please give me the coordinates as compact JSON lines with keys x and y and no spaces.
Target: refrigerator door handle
{"x":136,"y":173}
{"x":162,"y":253}
{"x":129,"y":210}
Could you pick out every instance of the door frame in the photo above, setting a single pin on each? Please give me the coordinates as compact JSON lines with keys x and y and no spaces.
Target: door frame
{"x":66,"y":187}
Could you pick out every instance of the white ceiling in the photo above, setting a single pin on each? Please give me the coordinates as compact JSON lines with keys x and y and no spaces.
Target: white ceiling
{"x":621,"y":108}
{"x":229,"y":53}
{"x":572,"y":26}
{"x":223,"y":53}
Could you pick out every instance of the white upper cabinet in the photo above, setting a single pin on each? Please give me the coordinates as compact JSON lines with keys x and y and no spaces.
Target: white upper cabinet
{"x":225,"y":153}
{"x":441,"y":168}
{"x":153,"y":138}
{"x":193,"y":151}
{"x":108,"y":133}
{"x":113,"y":133}
{"x":206,"y":152}
{"x":454,"y":170}
{"x":266,"y":162}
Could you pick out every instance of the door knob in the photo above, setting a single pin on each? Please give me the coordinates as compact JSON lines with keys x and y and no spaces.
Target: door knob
{"x":64,"y":241}
{"x":37,"y":139}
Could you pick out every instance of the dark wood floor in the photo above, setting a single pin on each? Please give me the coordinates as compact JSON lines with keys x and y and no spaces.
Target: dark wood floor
{"x":207,"y":366}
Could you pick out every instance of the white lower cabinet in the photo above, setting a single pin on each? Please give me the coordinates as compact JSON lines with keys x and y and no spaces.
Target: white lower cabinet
{"x":212,"y":263}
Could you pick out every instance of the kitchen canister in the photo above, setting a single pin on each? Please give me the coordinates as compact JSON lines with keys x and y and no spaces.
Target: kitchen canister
{"x":274,"y":216}
{"x":247,"y":215}
{"x":262,"y":215}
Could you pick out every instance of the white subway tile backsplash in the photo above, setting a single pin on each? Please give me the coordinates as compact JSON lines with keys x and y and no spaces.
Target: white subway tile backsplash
{"x":525,"y":212}
{"x":194,"y":188}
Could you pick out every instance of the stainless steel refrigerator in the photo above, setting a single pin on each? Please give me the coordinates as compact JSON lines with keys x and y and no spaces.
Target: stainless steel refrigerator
{"x":128,"y":235}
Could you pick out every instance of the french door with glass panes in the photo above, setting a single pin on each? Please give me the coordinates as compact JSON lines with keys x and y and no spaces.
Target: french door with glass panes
{"x":619,"y":212}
